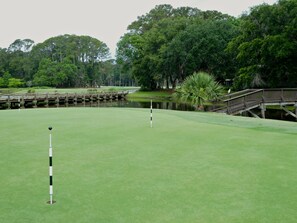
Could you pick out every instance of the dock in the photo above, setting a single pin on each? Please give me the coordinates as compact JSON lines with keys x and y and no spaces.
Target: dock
{"x":30,"y":100}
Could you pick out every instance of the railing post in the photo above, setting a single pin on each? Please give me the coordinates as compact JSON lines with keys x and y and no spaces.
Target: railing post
{"x":57,"y":100}
{"x":22,"y":102}
{"x":46,"y":100}
{"x":263,"y":109}
{"x":35,"y":101}
{"x":296,"y":110}
{"x":282,"y":95}
{"x":8,"y":102}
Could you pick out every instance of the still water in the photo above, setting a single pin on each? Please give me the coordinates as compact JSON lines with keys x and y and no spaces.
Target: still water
{"x":270,"y":114}
{"x":134,"y":104}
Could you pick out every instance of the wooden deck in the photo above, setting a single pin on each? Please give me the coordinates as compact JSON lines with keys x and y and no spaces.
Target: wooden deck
{"x":44,"y":100}
{"x":250,"y":99}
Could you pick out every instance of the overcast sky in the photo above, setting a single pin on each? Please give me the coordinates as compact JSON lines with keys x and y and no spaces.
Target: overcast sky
{"x":106,"y":20}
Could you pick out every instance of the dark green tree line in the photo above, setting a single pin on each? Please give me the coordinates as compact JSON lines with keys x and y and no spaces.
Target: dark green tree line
{"x":62,"y":61}
{"x":266,"y":48}
{"x":257,"y":49}
{"x":166,"y":45}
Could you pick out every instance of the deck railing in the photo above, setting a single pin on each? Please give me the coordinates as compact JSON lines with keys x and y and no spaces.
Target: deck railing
{"x":251,"y":98}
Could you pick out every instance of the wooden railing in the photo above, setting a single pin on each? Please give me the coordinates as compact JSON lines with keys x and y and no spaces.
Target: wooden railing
{"x":22,"y":100}
{"x":252,"y":98}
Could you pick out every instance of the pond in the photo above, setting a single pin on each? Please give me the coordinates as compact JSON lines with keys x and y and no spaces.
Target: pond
{"x":169,"y":105}
{"x":134,"y":104}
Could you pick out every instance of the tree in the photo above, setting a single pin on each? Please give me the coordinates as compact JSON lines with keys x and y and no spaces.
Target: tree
{"x":24,"y":45}
{"x":2,"y":82}
{"x":55,"y":74}
{"x":201,"y":47}
{"x":20,"y":65}
{"x":45,"y":74}
{"x":77,"y":59}
{"x":199,"y":88}
{"x":266,"y":48}
{"x":4,"y":61}
{"x":155,"y":50}
{"x":15,"y":83}
{"x":6,"y":78}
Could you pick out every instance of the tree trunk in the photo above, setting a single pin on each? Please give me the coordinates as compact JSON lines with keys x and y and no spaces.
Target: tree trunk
{"x":167,"y":83}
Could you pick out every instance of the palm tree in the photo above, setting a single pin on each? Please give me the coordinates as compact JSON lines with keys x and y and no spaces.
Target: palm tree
{"x":199,"y":88}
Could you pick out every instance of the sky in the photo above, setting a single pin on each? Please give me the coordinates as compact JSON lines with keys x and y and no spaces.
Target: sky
{"x":106,"y":20}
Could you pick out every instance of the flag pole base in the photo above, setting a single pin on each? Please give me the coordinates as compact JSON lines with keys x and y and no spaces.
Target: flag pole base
{"x":49,"y":202}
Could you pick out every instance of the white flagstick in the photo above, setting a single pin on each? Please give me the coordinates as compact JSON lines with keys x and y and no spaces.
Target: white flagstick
{"x":151,"y":113}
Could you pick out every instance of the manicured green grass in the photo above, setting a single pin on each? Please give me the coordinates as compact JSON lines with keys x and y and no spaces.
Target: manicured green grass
{"x":110,"y":166}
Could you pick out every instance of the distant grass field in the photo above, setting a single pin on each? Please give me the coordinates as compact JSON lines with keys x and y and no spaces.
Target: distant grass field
{"x":64,"y":90}
{"x":110,"y":166}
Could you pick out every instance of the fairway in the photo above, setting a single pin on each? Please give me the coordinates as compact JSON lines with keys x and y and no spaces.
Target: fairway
{"x":110,"y":166}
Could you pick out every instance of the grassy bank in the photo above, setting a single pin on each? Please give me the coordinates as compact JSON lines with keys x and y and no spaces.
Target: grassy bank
{"x":163,"y":95}
{"x":110,"y":166}
{"x":65,"y":90}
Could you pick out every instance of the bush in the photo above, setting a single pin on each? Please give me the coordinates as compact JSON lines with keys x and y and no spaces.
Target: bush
{"x":31,"y":90}
{"x":14,"y":82}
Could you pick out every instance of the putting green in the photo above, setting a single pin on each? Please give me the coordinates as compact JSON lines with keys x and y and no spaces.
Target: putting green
{"x":110,"y":166}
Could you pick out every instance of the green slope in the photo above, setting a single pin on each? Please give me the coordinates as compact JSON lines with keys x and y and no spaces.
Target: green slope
{"x":110,"y":166}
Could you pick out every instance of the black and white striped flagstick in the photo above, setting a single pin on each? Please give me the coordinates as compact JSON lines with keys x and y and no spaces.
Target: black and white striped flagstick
{"x":151,"y":113}
{"x":50,"y":167}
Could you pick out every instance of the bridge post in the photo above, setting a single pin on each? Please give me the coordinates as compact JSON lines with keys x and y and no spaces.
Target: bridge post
{"x":57,"y":100}
{"x":66,"y":100}
{"x":46,"y":100}
{"x":296,"y":110}
{"x":8,"y":102}
{"x":34,"y":101}
{"x":22,"y":102}
{"x":263,"y":109}
{"x":75,"y":99}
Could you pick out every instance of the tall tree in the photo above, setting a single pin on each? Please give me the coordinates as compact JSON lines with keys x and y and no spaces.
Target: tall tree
{"x":149,"y":46}
{"x":266,"y":49}
{"x":201,"y":47}
{"x":84,"y":52}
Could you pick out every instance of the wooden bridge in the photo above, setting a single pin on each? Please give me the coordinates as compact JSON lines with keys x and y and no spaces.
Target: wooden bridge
{"x":41,"y":100}
{"x":251,"y":99}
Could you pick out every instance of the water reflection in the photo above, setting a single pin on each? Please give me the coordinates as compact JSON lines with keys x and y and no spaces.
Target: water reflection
{"x":169,"y":105}
{"x":132,"y":104}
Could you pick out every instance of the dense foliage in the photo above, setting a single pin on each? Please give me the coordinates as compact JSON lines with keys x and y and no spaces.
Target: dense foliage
{"x":165,"y":46}
{"x":257,"y":49}
{"x":266,"y":48}
{"x":62,"y":61}
{"x":199,"y":88}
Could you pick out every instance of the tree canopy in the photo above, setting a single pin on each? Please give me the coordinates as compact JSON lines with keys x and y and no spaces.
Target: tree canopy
{"x":266,"y":47}
{"x":167,"y":45}
{"x":61,"y":61}
{"x":257,"y":49}
{"x":164,"y":47}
